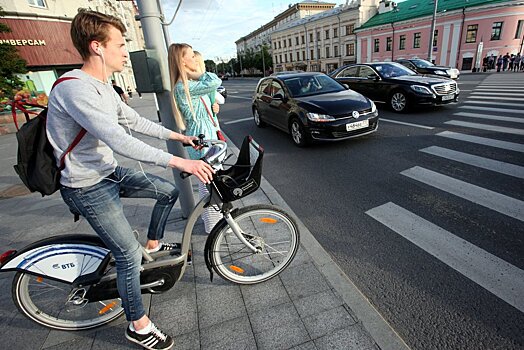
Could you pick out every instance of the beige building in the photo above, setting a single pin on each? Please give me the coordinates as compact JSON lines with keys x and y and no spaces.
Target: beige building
{"x":321,"y":42}
{"x":40,"y":31}
{"x":262,"y":36}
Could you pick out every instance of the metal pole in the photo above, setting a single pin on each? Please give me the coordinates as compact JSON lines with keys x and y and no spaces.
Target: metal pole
{"x":150,"y":18}
{"x":432,"y":33}
{"x":240,"y":58}
{"x":263,"y":62}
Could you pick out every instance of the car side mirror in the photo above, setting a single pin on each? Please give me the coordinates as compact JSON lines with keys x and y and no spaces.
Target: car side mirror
{"x":373,"y":77}
{"x":346,"y":86}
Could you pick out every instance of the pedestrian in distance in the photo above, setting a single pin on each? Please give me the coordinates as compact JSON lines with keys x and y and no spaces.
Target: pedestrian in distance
{"x":505,"y":62}
{"x":192,"y":87}
{"x":93,"y":182}
{"x":130,"y":92}
{"x":511,"y":62}
{"x":485,"y":61}
{"x":491,"y":62}
{"x":516,"y":63}
{"x":119,"y":91}
{"x":500,"y":61}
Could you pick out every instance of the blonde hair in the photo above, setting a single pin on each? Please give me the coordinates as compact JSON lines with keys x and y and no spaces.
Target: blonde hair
{"x":177,"y":72}
{"x":200,"y":62}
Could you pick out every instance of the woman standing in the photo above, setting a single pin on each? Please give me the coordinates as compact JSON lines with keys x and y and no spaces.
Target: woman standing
{"x":190,"y":87}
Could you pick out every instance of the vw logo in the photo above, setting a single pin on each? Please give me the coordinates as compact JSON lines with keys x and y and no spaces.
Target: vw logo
{"x":355,"y":114}
{"x":237,"y":192}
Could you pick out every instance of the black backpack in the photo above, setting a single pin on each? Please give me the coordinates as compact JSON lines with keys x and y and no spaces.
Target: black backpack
{"x":36,"y":164}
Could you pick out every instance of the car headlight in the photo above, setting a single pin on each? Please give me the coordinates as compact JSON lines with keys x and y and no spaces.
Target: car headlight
{"x":315,"y":117}
{"x":421,"y":89}
{"x":373,"y":107}
{"x":440,"y":72}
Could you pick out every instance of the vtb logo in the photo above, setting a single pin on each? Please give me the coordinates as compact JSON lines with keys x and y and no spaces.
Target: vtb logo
{"x":63,"y":266}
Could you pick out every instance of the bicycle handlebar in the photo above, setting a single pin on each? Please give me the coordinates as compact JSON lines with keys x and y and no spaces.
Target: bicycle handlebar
{"x":213,"y":156}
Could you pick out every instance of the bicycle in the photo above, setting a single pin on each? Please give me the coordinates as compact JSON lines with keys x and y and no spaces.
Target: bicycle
{"x":68,"y":282}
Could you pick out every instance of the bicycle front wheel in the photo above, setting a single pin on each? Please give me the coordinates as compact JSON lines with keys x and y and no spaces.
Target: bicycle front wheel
{"x":57,"y":305}
{"x":271,"y":230}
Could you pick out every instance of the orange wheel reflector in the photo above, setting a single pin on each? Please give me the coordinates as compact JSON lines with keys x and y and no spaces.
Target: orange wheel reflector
{"x":236,"y":269}
{"x":268,"y":220}
{"x":107,"y":308}
{"x":39,"y":279}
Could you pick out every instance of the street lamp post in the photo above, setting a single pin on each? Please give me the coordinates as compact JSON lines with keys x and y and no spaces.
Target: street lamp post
{"x":432,"y":33}
{"x":263,"y":61}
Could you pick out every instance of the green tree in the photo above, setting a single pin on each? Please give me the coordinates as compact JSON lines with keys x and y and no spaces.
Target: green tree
{"x":211,"y":66}
{"x":10,"y":65}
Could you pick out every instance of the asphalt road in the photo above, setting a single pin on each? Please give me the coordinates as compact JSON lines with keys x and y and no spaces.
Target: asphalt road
{"x":426,"y":219}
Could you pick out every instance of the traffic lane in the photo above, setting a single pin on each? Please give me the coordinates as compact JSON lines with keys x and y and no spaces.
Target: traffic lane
{"x":363,"y":245}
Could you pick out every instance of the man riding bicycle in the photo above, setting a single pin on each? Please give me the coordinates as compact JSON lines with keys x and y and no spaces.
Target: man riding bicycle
{"x":92,"y":181}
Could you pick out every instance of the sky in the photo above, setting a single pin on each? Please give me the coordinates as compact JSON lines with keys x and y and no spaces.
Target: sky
{"x":213,"y":26}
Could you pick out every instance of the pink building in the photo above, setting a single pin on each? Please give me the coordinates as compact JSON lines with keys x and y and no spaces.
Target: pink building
{"x":465,"y":31}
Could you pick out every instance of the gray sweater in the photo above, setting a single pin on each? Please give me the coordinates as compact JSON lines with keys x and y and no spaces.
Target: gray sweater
{"x":94,"y":105}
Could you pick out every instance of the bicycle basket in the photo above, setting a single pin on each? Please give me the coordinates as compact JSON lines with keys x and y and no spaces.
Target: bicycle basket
{"x":243,"y":178}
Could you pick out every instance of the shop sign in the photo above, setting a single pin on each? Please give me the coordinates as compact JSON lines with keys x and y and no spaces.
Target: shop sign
{"x":23,"y":42}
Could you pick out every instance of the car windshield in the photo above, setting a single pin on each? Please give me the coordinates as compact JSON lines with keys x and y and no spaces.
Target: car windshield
{"x":309,"y":85}
{"x":392,"y":70}
{"x":422,"y":63}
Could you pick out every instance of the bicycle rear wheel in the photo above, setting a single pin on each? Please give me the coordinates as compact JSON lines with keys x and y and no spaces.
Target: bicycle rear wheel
{"x":271,"y":230}
{"x":58,"y":305}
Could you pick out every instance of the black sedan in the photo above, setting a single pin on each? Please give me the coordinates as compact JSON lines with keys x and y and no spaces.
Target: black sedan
{"x":394,"y":84}
{"x":425,"y":67}
{"x":313,"y":106}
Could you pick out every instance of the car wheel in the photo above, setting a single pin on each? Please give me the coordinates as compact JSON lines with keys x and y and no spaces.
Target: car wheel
{"x":256,"y":118}
{"x":298,"y":133}
{"x":398,"y":101}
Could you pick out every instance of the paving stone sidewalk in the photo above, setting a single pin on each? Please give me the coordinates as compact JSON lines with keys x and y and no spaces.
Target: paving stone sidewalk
{"x":310,"y":305}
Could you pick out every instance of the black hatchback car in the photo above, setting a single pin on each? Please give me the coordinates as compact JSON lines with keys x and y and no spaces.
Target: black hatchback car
{"x":425,"y":67}
{"x":312,"y":106}
{"x":396,"y":85}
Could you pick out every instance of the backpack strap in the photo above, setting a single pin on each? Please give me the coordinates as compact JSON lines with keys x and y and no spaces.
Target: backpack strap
{"x":70,"y":148}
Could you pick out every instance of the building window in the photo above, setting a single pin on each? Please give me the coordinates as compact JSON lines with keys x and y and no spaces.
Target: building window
{"x":350,"y":49}
{"x":335,"y":32}
{"x":327,"y":33}
{"x":496,"y":30}
{"x":471,"y":35}
{"x":291,"y":57}
{"x":327,"y":52}
{"x":39,"y":3}
{"x":280,"y":56}
{"x":402,"y":42}
{"x":285,"y":57}
{"x":310,"y":37}
{"x":296,"y":40}
{"x":376,"y":47}
{"x":311,"y":54}
{"x":275,"y":45}
{"x":435,"y":38}
{"x":335,"y":51}
{"x":518,"y":33}
{"x":276,"y":59}
{"x":302,"y":39}
{"x":279,"y":44}
{"x":318,"y":36}
{"x":289,"y":41}
{"x":318,"y":54}
{"x":416,"y":40}
{"x":349,"y":29}
{"x":303,"y":55}
{"x":389,"y":42}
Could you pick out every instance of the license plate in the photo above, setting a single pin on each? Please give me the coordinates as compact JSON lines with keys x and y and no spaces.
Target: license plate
{"x":448,"y":97}
{"x":357,"y":125}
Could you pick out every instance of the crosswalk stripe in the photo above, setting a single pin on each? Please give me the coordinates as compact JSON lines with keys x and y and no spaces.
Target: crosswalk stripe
{"x":481,"y":162}
{"x":497,"y":98}
{"x":493,"y":109}
{"x":486,"y":127}
{"x":490,"y":90}
{"x":508,"y":104}
{"x":238,"y":120}
{"x":489,"y":116}
{"x":491,"y":93}
{"x":511,"y":146}
{"x":487,"y":270}
{"x":404,"y":123}
{"x":501,"y":203}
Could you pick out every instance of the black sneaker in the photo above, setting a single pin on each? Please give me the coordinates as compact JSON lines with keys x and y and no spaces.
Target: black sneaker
{"x":165,"y":247}
{"x":154,"y":340}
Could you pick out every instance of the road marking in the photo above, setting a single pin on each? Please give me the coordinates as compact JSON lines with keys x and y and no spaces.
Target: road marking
{"x":245,"y":98}
{"x":486,"y":127}
{"x":491,"y":103}
{"x":238,"y":120}
{"x":497,"y":98}
{"x":497,"y":93}
{"x":493,"y":109}
{"x":481,"y":162}
{"x":489,"y":116}
{"x":404,"y":123}
{"x":503,"y":204}
{"x":487,"y":270}
{"x":511,"y":146}
{"x":490,"y":90}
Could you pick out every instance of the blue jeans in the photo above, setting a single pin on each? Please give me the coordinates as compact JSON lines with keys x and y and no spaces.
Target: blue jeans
{"x":101,"y":206}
